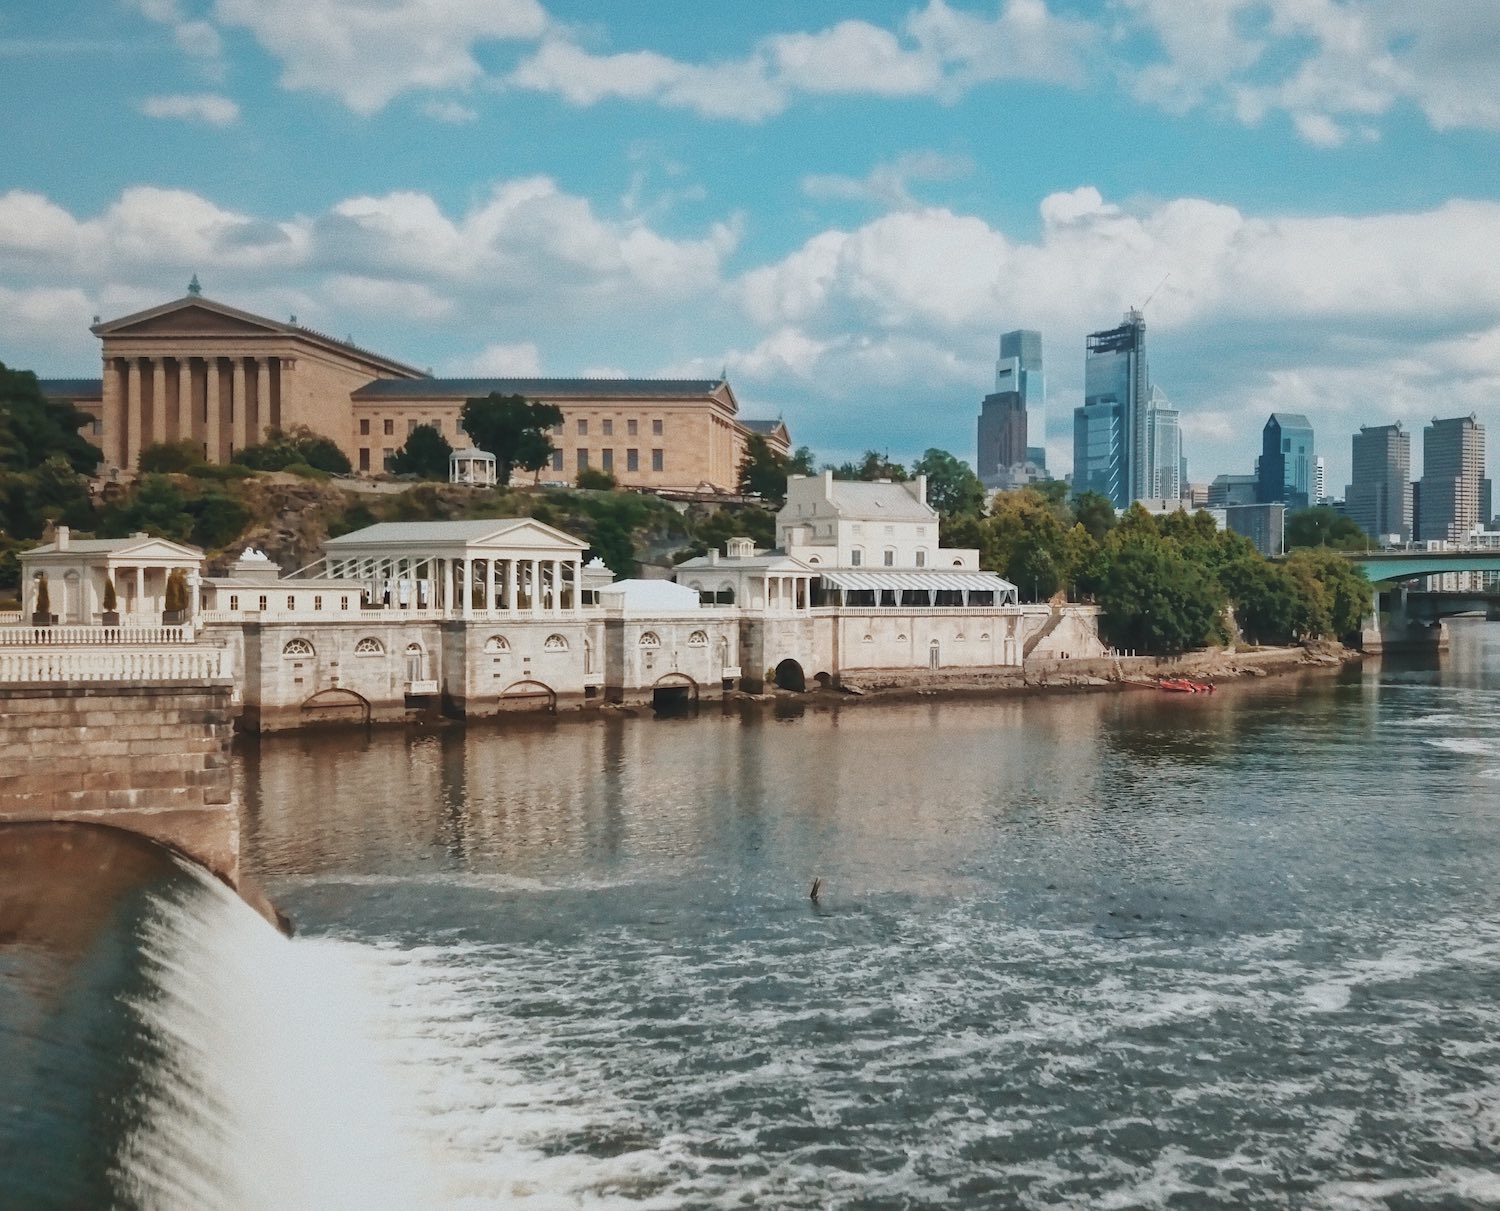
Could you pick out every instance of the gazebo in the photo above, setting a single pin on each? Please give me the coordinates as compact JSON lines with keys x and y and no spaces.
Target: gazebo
{"x":472,"y":466}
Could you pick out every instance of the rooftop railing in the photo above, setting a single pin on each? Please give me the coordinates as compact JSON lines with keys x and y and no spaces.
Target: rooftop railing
{"x":111,"y":664}
{"x":92,"y":636}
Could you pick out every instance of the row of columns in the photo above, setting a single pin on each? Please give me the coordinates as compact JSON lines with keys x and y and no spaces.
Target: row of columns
{"x":223,"y":404}
{"x":78,"y":597}
{"x":455,"y":584}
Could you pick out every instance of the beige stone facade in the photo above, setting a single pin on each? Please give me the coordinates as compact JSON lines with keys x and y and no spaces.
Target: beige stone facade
{"x":201,"y":371}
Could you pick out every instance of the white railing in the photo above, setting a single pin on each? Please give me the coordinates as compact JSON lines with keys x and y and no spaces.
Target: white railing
{"x":427,"y":686}
{"x":239,"y":617}
{"x":111,"y":664}
{"x":10,"y":618}
{"x":92,"y":636}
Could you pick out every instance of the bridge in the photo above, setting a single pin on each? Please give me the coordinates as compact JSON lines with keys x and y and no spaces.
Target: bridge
{"x":1384,"y":567}
{"x":1414,"y":619}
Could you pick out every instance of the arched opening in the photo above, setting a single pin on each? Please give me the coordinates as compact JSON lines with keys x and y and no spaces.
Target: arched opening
{"x":824,"y":680}
{"x":934,"y":655}
{"x":675,"y":693}
{"x":789,"y":676}
{"x":336,"y":706}
{"x":528,"y":695}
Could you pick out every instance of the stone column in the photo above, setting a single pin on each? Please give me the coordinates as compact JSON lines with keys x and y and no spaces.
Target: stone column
{"x":184,"y":399}
{"x":211,"y":400}
{"x":262,"y":399}
{"x":112,"y":412}
{"x":489,"y":586}
{"x":237,"y":405}
{"x":158,"y":399}
{"x":140,"y":592}
{"x":510,"y":584}
{"x":466,"y":574}
{"x":536,"y":584}
{"x":134,"y":413}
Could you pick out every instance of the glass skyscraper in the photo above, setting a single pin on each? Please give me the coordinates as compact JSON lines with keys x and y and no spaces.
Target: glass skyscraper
{"x":1165,"y":438}
{"x":1452,"y":478}
{"x":1287,"y":468}
{"x":1379,"y":495}
{"x":1111,"y":431}
{"x":1020,"y":369}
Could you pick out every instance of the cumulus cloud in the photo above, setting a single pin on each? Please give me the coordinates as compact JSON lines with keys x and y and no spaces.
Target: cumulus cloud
{"x":521,"y":360}
{"x":938,"y":52}
{"x":209,"y":108}
{"x":365,"y":52}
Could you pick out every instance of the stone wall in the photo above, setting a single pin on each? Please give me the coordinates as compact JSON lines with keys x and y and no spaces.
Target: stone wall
{"x":151,"y":759}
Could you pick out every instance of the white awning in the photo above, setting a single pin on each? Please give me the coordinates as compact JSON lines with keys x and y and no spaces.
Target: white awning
{"x":927,"y":581}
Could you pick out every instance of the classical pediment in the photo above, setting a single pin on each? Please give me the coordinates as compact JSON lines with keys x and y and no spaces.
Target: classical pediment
{"x":191,"y":317}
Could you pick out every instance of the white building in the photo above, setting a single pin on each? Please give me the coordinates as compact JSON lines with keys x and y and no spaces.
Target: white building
{"x":79,"y":569}
{"x":842,"y":523}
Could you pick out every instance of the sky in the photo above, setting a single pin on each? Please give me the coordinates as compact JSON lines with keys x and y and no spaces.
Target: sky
{"x":840,"y":204}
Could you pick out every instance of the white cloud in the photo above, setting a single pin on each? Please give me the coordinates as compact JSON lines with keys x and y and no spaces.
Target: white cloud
{"x":450,"y":112}
{"x":210,"y":108}
{"x":521,"y":360}
{"x":365,"y":52}
{"x":939,"y":52}
{"x":889,"y":184}
{"x":195,"y":38}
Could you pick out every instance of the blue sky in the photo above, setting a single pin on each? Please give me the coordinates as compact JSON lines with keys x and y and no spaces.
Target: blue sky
{"x":844,"y":204}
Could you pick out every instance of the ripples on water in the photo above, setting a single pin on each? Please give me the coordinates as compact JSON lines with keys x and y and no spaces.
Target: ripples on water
{"x":1115,"y":951}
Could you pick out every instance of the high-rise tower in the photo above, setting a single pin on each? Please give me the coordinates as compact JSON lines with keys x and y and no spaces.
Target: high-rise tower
{"x":1286,"y":470}
{"x":1379,"y":496}
{"x":1020,"y":369}
{"x":1452,"y":478}
{"x":1111,"y":432}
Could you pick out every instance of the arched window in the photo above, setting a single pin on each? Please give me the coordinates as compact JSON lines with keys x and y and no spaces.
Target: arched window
{"x":921,"y":557}
{"x":555,"y":643}
{"x":413,"y":649}
{"x":588,"y":656}
{"x":698,"y":639}
{"x":369,"y":646}
{"x":813,"y":559}
{"x":650,"y":640}
{"x":958,"y":563}
{"x":496,"y":644}
{"x":868,"y":639}
{"x":298,"y":648}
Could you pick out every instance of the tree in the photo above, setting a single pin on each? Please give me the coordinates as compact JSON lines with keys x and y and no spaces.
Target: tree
{"x":217,"y":519}
{"x":1349,"y":594}
{"x":111,"y":598}
{"x":512,"y":429}
{"x":1095,"y":512}
{"x":1155,"y":601}
{"x":872,"y":465}
{"x":1273,"y":604}
{"x":176,"y":599}
{"x":425,"y":455}
{"x":1324,"y":527}
{"x":43,"y":606}
{"x":597,"y":480}
{"x":802,"y":462}
{"x":611,"y":542}
{"x":170,"y":456}
{"x":952,"y":487}
{"x":34,"y":428}
{"x":763,"y":471}
{"x":284,"y":447}
{"x":53,"y":492}
{"x":156,"y":506}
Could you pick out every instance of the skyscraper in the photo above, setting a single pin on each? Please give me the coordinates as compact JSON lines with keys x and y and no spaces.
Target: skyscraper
{"x":1286,"y":469}
{"x":1020,"y":369}
{"x":1379,"y":498}
{"x":1002,"y":433}
{"x":1452,"y":478}
{"x":1111,"y":445}
{"x":1165,"y":439}
{"x":1320,"y":480}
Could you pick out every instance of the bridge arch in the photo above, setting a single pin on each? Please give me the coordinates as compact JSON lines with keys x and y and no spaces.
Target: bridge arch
{"x":529,"y":695}
{"x":336,"y":705}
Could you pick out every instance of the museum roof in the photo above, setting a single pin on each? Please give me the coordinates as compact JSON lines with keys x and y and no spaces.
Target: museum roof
{"x":469,"y":388}
{"x":71,"y":388}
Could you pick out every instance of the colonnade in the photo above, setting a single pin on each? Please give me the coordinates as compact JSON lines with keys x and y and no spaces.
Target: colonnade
{"x":436,"y":583}
{"x":222,"y":404}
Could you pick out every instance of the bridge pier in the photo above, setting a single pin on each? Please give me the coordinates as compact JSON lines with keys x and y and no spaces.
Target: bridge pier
{"x":1393,"y":626}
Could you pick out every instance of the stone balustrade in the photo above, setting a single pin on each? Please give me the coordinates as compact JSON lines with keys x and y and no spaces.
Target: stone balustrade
{"x":10,"y":618}
{"x":132,"y":666}
{"x":93,"y":636}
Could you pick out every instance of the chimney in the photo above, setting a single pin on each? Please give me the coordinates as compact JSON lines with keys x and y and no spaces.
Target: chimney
{"x":921,"y":486}
{"x":60,"y":538}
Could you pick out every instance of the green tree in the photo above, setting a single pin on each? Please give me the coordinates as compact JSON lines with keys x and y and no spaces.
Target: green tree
{"x":612,"y":543}
{"x":1349,"y":594}
{"x":952,"y":487}
{"x":1153,"y":600}
{"x":176,"y":596}
{"x":1053,"y":491}
{"x":217,"y":519}
{"x":872,"y":465}
{"x":156,"y":506}
{"x":1095,"y":512}
{"x":1034,"y":569}
{"x":596,"y":480}
{"x":1273,"y":604}
{"x":283,"y":448}
{"x":34,"y":428}
{"x":425,"y":455}
{"x":170,"y":456}
{"x":512,"y":429}
{"x":1324,"y":527}
{"x":802,"y":462}
{"x":763,"y":471}
{"x":53,"y":492}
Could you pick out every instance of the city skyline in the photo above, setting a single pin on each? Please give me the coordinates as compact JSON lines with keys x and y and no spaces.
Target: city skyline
{"x":807,"y":195}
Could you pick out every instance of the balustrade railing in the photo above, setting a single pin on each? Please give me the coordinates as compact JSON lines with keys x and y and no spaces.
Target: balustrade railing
{"x":92,"y":636}
{"x":111,"y":664}
{"x":10,"y":618}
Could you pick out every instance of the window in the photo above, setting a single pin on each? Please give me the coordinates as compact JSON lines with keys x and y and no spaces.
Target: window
{"x":234,"y":602}
{"x":364,"y":458}
{"x":557,"y":429}
{"x":557,"y":460}
{"x":297,"y":647}
{"x":437,"y":423}
{"x":632,"y":460}
{"x":411,"y":425}
{"x":650,"y":639}
{"x":364,"y":426}
{"x":921,"y":531}
{"x":496,"y":644}
{"x":264,"y":602}
{"x":555,"y":643}
{"x":856,"y":557}
{"x":607,"y":459}
{"x":385,"y":457}
{"x":583,"y":459}
{"x":658,"y":461}
{"x":656,"y":428}
{"x":890,"y":531}
{"x":698,"y":639}
{"x":317,"y":601}
{"x":369,"y":646}
{"x":921,"y":557}
{"x":291,"y":602}
{"x":890,"y":558}
{"x":343,"y":603}
{"x":631,"y":427}
{"x":609,"y":428}
{"x":388,"y":427}
{"x":583,"y":428}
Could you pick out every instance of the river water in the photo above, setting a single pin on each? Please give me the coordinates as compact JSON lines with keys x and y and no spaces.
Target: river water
{"x":1116,"y":950}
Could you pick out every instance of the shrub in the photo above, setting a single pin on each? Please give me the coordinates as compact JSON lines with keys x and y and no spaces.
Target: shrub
{"x":170,"y":457}
{"x":596,"y":480}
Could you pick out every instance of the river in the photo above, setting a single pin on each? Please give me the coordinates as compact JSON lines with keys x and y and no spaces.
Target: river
{"x":1106,"y":950}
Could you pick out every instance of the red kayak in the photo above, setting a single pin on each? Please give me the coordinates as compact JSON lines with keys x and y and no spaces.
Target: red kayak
{"x":1182,"y":685}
